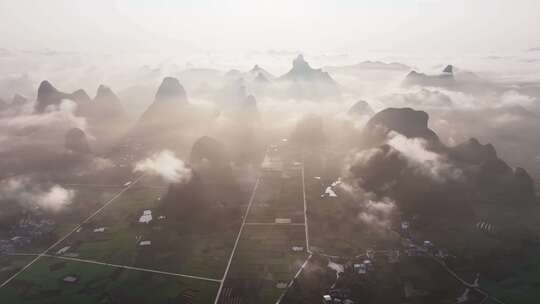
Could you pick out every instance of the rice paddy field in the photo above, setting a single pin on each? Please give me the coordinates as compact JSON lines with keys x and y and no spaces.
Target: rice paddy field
{"x":264,"y":263}
{"x":47,"y":282}
{"x":118,"y":236}
{"x":279,"y":196}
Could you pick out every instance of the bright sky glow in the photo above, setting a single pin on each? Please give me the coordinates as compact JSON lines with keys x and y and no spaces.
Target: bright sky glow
{"x":244,"y":25}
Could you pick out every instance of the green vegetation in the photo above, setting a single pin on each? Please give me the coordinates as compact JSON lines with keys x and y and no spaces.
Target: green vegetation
{"x":174,"y":247}
{"x":86,"y":201}
{"x":10,"y":264}
{"x":334,"y":224}
{"x":44,"y":283}
{"x":279,"y":196}
{"x":263,"y":259}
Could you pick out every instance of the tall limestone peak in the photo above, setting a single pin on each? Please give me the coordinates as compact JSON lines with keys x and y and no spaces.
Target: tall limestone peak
{"x":474,"y":152}
{"x":107,"y":103}
{"x":48,"y":95}
{"x":300,"y":63}
{"x":256,"y":68}
{"x":449,"y":69}
{"x":444,"y":79}
{"x":168,"y":106}
{"x":405,"y":121}
{"x":171,"y":90}
{"x":81,"y":96}
{"x":361,"y":108}
{"x":302,"y":71}
{"x":105,"y":93}
{"x":258,"y":74}
{"x":45,"y":89}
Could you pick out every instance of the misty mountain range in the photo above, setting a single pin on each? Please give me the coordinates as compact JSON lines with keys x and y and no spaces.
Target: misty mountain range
{"x":420,"y":150}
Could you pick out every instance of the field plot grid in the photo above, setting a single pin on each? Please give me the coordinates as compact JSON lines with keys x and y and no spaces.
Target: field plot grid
{"x":264,"y":263}
{"x":52,"y":280}
{"x":272,"y":246}
{"x":123,"y":235}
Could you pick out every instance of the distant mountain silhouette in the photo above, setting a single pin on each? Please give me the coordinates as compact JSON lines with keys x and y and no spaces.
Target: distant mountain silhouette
{"x":306,"y":83}
{"x":474,"y":152}
{"x":169,"y":101}
{"x":468,"y":170}
{"x":81,"y":96}
{"x":107,"y":103}
{"x":445,"y":79}
{"x":170,"y":91}
{"x":449,"y":69}
{"x":257,"y":73}
{"x":48,"y":95}
{"x":303,"y":72}
{"x":453,"y":78}
{"x":361,"y":108}
{"x":405,"y":121}
{"x":83,"y":101}
{"x":105,"y":107}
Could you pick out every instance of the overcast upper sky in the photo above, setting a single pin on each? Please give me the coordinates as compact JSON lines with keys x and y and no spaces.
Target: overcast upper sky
{"x":448,"y":26}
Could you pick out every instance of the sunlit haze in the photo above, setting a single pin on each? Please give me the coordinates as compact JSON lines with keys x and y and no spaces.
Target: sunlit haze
{"x":269,"y":152}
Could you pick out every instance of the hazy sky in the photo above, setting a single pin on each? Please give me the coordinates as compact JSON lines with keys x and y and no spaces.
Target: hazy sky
{"x":244,"y":25}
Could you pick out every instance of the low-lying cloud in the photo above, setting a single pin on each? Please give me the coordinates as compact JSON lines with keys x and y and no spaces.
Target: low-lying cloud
{"x":378,"y":212}
{"x":21,"y":126}
{"x":423,"y":160}
{"x":29,"y":193}
{"x":165,"y":165}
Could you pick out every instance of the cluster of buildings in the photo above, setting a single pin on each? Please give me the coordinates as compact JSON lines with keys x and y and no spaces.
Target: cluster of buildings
{"x":338,"y":296}
{"x":33,"y":228}
{"x":29,"y":228}
{"x":146,"y":218}
{"x":486,"y":227}
{"x":367,"y":263}
{"x":330,"y":191}
{"x":412,"y":245}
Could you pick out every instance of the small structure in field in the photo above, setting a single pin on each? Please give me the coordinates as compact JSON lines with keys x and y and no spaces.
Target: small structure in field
{"x":70,"y":279}
{"x":146,"y":217}
{"x":283,"y":221}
